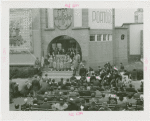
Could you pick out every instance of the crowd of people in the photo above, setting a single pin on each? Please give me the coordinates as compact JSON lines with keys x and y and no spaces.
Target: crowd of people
{"x":105,"y":90}
{"x":67,"y":62}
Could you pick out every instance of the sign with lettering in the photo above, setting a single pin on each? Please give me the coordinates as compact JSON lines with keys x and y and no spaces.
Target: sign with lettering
{"x":62,"y":18}
{"x":100,"y":18}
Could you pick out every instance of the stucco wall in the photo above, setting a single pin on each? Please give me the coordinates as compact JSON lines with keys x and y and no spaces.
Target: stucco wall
{"x":81,"y":35}
{"x":100,"y":53}
{"x":121,"y":55}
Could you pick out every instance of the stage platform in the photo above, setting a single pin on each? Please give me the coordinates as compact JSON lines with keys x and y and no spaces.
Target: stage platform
{"x":57,"y":74}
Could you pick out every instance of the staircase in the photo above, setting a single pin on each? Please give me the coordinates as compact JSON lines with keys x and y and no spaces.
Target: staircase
{"x":57,"y":74}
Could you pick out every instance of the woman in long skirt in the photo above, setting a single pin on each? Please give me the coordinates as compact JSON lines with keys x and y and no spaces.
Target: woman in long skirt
{"x":61,"y":65}
{"x":51,"y":62}
{"x":57,"y":65}
{"x":54,"y":64}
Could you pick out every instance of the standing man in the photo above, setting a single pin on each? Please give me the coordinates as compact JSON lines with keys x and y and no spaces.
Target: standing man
{"x":121,"y":67}
{"x":82,"y":71}
{"x":35,"y":86}
{"x":37,"y":65}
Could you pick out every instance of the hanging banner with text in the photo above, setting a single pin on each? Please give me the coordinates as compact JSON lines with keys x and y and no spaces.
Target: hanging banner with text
{"x":100,"y":19}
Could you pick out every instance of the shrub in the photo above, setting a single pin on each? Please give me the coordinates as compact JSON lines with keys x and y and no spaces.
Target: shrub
{"x":21,"y":72}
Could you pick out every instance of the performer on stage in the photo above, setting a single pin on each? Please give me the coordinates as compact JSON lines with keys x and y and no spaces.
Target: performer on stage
{"x":57,"y":65}
{"x":54,"y":64}
{"x":51,"y":62}
{"x":65,"y":63}
{"x":61,"y":64}
{"x":37,"y":65}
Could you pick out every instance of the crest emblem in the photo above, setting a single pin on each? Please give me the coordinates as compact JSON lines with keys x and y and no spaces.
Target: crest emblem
{"x":62,"y":18}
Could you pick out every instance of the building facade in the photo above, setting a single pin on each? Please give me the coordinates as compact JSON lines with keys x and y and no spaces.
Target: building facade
{"x":34,"y":32}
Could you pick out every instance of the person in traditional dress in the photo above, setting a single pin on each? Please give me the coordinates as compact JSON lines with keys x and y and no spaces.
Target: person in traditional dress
{"x":61,"y":64}
{"x":37,"y":65}
{"x":65,"y":63}
{"x":54,"y":64}
{"x":57,"y":65}
{"x":53,"y":54}
{"x":51,"y":62}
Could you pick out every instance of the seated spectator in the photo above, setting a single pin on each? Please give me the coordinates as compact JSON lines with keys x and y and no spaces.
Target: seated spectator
{"x":97,"y":92}
{"x":129,"y":107}
{"x":72,"y":105}
{"x":96,"y":82}
{"x":131,"y":100}
{"x":87,"y":92}
{"x":93,"y":99}
{"x":72,"y":93}
{"x":130,"y":89}
{"x":104,"y":107}
{"x":56,"y":92}
{"x":25,"y":105}
{"x":68,"y":83}
{"x":73,"y":78}
{"x":93,"y":107}
{"x":35,"y":104}
{"x":61,"y":82}
{"x":137,"y":95}
{"x":17,"y":107}
{"x":103,"y":99}
{"x":141,"y":88}
{"x":92,"y":78}
{"x":61,"y":106}
{"x":45,"y":105}
{"x":112,"y":100}
{"x":73,"y":82}
{"x":77,"y":99}
{"x":121,"y":104}
{"x":82,"y":106}
{"x":54,"y":84}
{"x":45,"y":79}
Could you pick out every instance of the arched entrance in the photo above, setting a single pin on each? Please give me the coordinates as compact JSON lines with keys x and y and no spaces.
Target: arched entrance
{"x":66,"y":44}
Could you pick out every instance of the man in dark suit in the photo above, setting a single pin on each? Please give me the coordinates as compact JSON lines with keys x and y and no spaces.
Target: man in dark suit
{"x":35,"y":86}
{"x":130,"y":89}
{"x":83,"y":71}
{"x":92,"y":78}
{"x":45,"y":105}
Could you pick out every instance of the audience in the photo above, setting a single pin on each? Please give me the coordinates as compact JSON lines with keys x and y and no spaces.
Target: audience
{"x":81,"y":94}
{"x":104,"y":107}
{"x":61,"y":106}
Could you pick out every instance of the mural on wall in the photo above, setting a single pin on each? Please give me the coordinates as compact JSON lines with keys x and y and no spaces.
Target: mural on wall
{"x":62,"y":18}
{"x":20,"y":31}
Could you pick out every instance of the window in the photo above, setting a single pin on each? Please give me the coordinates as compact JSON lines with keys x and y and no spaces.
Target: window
{"x":122,"y":37}
{"x":104,"y":37}
{"x":92,"y":37}
{"x":109,"y":37}
{"x":99,"y":37}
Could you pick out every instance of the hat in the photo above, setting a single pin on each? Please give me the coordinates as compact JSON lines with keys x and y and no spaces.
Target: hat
{"x":72,"y":88}
{"x":92,"y":95}
{"x":25,"y":100}
{"x":93,"y":103}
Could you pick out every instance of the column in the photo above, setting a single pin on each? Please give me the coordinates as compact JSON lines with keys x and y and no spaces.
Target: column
{"x":50,"y":18}
{"x":77,"y":17}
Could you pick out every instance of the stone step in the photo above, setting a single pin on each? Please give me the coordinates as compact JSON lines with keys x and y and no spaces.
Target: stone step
{"x":58,"y":74}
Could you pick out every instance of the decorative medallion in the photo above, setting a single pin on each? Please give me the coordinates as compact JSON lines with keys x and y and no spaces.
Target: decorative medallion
{"x":62,"y":18}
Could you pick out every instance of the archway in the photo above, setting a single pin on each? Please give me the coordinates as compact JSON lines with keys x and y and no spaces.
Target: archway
{"x":64,"y":42}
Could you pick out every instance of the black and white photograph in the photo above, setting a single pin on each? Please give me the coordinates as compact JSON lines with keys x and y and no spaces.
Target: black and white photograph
{"x":76,"y":59}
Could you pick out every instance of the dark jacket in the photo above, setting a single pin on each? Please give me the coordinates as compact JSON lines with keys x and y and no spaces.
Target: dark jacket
{"x":82,"y":71}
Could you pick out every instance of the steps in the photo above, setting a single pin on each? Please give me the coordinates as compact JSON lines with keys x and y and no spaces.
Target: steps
{"x":57,"y":74}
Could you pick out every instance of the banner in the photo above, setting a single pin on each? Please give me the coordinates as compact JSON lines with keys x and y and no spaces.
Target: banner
{"x":100,"y":18}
